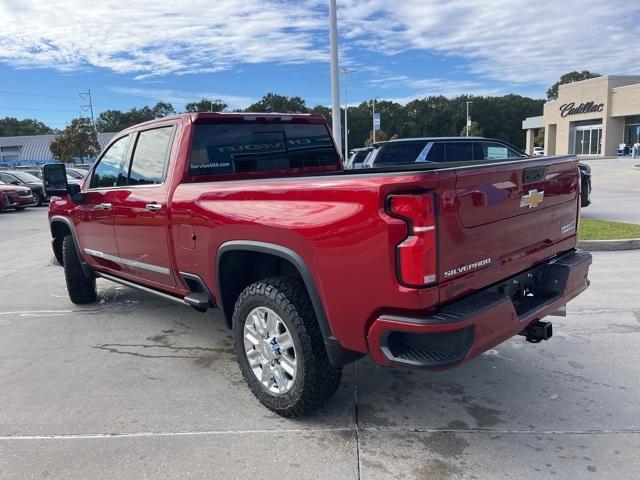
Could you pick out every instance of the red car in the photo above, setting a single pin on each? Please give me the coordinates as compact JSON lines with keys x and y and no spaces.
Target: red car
{"x":15,"y":197}
{"x":423,"y":265}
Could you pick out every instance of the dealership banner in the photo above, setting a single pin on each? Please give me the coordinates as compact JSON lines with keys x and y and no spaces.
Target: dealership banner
{"x":377,"y":122}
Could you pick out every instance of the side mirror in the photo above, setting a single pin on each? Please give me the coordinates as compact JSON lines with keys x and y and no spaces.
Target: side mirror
{"x":54,"y":179}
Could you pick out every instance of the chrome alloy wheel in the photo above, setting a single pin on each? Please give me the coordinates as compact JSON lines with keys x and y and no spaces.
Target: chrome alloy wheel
{"x":270,"y":350}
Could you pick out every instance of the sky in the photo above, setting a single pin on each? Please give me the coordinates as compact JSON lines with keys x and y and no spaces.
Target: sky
{"x":136,"y":53}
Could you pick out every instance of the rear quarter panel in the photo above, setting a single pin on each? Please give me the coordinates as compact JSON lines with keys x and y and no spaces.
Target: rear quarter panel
{"x":335,"y":223}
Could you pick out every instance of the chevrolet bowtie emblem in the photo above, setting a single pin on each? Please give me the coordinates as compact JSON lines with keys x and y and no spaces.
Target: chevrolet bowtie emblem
{"x":532,"y":199}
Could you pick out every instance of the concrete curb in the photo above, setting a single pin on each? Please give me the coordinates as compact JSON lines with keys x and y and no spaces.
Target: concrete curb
{"x":609,"y":245}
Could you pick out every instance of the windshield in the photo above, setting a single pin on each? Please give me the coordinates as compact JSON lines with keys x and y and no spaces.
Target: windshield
{"x":74,"y":174}
{"x":25,"y":177}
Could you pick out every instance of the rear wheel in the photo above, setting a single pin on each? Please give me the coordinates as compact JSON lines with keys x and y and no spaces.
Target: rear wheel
{"x":80,"y":286}
{"x":280,"y":347}
{"x":38,"y":199}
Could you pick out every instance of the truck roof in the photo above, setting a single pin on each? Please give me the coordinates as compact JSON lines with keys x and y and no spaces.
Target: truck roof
{"x":249,"y":116}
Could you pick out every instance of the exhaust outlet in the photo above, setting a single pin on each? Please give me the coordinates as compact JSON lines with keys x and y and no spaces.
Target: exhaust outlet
{"x":538,"y":331}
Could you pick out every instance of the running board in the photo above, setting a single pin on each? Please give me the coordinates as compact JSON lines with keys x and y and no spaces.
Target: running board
{"x":127,"y":283}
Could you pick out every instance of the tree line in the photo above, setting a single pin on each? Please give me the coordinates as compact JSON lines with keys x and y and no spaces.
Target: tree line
{"x":493,"y":116}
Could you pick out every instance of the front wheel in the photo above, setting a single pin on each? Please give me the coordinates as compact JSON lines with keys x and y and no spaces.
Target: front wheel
{"x":38,"y":200}
{"x":280,"y":347}
{"x":80,"y":286}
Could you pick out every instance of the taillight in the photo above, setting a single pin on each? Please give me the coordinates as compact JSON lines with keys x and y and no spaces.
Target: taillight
{"x":417,"y":253}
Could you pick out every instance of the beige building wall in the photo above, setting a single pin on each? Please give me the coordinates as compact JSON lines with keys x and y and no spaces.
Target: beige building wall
{"x":620,"y":97}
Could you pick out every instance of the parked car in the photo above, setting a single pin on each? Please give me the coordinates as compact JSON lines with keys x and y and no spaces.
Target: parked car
{"x":455,"y":149}
{"x":538,"y":151}
{"x":15,"y":197}
{"x":76,"y":173}
{"x":585,"y":184}
{"x":357,"y":156}
{"x":439,"y":150}
{"x":72,"y":177}
{"x":426,"y":265}
{"x":18,"y":177}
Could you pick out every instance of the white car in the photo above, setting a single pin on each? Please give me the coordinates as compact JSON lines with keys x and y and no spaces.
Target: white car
{"x":538,"y":151}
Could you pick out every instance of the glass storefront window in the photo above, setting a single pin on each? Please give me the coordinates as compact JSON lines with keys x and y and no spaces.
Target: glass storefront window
{"x":632,"y":130}
{"x":594,"y":141}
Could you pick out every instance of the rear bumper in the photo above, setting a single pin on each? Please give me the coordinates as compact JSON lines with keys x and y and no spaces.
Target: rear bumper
{"x":465,"y":328}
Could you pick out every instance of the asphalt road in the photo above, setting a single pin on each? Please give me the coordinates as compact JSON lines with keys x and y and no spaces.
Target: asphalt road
{"x":615,"y":190}
{"x":137,"y":387}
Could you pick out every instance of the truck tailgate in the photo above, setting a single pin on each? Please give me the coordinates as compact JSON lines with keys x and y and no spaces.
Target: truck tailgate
{"x":501,"y":220}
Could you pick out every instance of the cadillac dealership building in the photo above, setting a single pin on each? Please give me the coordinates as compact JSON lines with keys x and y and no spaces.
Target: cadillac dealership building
{"x":592,"y":117}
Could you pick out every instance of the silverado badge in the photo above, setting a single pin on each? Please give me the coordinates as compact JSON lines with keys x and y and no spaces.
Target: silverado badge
{"x":532,"y":199}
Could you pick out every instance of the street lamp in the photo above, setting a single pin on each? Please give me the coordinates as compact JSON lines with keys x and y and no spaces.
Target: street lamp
{"x":468,"y":119}
{"x":346,"y":72}
{"x":335,"y":75}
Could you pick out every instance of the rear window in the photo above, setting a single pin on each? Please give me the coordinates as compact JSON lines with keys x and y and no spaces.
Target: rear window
{"x":399,"y":153}
{"x":222,"y":148}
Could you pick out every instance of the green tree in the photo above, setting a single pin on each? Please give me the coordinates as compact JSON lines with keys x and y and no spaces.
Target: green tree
{"x":538,"y":140}
{"x":10,"y":126}
{"x":552,"y":93}
{"x":273,"y":102}
{"x":474,"y":130}
{"x":381,"y":136}
{"x":163,"y":109}
{"x":116,"y":120}
{"x":206,"y":105}
{"x":77,"y":141}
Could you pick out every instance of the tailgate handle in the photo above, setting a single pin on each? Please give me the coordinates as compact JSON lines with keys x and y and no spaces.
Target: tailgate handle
{"x":532,"y":175}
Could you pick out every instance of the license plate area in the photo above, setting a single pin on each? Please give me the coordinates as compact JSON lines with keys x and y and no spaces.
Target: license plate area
{"x":533,"y":288}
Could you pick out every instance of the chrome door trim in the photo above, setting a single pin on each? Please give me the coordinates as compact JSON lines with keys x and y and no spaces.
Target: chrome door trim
{"x":128,"y":262}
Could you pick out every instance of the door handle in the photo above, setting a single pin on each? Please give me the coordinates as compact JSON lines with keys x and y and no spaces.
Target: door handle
{"x":153,"y":207}
{"x":104,"y":206}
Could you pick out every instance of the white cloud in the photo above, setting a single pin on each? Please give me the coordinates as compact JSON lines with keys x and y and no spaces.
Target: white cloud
{"x":516,"y":41}
{"x":179,"y":98}
{"x":147,"y":39}
{"x":520,"y":41}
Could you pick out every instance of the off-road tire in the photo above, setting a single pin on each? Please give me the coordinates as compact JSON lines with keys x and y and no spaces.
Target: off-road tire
{"x":316,"y":379}
{"x":81,"y":288}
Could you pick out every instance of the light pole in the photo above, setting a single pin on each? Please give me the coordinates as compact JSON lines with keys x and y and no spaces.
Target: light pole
{"x":335,"y":75}
{"x":346,"y":72}
{"x":468,"y":120}
{"x":373,"y":132}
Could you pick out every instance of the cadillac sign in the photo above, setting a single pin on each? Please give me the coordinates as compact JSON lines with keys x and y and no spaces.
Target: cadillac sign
{"x":586,"y":107}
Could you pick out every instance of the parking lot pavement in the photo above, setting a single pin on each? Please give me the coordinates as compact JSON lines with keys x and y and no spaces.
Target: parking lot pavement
{"x":136,"y":387}
{"x":616,"y":190}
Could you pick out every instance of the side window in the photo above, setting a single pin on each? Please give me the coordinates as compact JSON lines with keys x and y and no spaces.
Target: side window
{"x":6,"y":178}
{"x":497,"y":151}
{"x":150,"y":156}
{"x":399,"y":153}
{"x":459,"y":151}
{"x":109,"y":169}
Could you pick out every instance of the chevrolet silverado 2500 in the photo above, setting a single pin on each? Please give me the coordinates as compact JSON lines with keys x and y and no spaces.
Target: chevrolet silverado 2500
{"x":422,"y":266}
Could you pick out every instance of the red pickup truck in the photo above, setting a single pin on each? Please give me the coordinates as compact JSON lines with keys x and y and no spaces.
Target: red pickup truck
{"x":422,"y":266}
